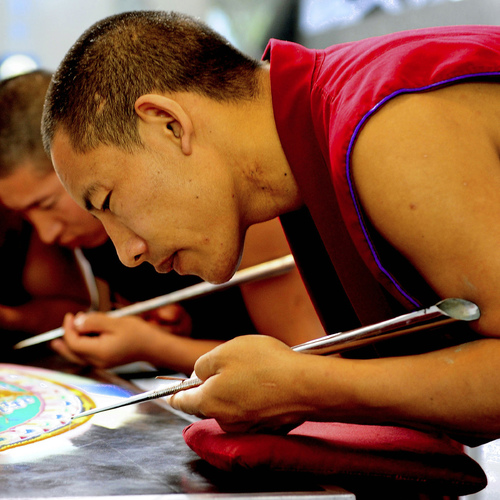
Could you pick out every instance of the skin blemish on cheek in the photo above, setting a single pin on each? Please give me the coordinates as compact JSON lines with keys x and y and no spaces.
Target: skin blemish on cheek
{"x":413,"y":206}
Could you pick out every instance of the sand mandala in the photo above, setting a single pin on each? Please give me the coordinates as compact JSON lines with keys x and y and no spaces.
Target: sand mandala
{"x":33,"y":407}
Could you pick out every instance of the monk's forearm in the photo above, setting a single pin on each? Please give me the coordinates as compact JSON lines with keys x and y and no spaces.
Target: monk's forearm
{"x":38,"y":315}
{"x":455,"y":389}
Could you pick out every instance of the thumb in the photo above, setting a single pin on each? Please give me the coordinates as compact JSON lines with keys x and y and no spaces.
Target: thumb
{"x":171,"y":313}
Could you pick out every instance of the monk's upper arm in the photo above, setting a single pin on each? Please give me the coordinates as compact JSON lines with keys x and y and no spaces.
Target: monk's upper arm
{"x":428,"y":176}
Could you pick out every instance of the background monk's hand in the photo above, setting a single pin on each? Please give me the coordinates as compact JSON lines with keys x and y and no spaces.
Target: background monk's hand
{"x":173,"y":317}
{"x":251,"y":383}
{"x":100,"y":340}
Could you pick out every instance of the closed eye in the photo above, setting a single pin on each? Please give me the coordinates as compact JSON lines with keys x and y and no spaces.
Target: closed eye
{"x":105,"y":203}
{"x":47,"y":204}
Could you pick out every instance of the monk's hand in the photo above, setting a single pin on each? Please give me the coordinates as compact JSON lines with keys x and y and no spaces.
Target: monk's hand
{"x":100,"y":340}
{"x":173,"y":318}
{"x":250,"y":384}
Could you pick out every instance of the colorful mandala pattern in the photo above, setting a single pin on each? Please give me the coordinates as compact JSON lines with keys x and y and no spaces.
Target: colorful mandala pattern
{"x":33,"y":407}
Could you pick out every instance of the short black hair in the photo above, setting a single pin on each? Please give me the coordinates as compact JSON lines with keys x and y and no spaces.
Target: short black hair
{"x":21,"y":105}
{"x":122,"y":57}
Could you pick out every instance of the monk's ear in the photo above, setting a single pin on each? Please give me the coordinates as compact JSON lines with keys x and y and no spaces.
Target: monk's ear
{"x":175,"y":123}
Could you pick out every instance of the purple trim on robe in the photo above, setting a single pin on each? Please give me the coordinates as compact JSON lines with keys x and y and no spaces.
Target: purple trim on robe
{"x":348,"y":168}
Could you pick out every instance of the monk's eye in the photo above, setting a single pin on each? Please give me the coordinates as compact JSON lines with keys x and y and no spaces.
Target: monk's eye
{"x":105,"y":203}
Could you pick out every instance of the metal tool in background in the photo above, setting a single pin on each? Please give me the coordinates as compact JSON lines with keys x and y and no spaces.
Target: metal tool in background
{"x":442,"y":313}
{"x":265,"y":270}
{"x":88,"y":277}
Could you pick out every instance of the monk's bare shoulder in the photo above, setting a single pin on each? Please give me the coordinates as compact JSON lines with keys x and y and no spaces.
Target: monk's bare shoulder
{"x":427,"y":171}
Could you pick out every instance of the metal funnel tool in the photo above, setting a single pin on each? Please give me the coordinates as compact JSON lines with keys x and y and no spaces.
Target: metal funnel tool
{"x":265,"y":270}
{"x":446,"y":311}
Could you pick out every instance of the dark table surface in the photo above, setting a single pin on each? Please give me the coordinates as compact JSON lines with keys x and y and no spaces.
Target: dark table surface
{"x":133,"y":451}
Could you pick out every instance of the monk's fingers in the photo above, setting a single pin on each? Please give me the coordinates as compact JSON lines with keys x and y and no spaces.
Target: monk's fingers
{"x":188,"y":401}
{"x":60,"y":346}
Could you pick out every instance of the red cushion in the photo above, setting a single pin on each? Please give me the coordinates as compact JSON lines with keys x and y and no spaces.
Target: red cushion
{"x":342,"y":450}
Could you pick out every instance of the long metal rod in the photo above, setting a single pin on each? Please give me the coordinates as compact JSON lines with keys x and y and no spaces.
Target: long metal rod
{"x":446,"y":311}
{"x":89,"y":278}
{"x":145,"y":396}
{"x":265,"y":270}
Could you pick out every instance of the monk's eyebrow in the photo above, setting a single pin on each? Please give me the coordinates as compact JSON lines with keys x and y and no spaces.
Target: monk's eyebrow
{"x":87,"y":195}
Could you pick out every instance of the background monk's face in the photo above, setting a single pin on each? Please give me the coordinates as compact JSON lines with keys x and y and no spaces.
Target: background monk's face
{"x":45,"y":203}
